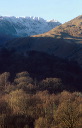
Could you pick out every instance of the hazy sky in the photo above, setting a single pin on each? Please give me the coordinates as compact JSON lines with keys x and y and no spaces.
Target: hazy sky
{"x":61,"y":10}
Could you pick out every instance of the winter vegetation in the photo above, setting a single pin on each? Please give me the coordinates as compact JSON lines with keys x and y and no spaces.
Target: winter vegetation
{"x":28,"y":103}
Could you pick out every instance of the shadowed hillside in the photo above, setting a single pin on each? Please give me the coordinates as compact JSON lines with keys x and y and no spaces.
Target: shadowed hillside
{"x":64,"y":41}
{"x":41,"y":65}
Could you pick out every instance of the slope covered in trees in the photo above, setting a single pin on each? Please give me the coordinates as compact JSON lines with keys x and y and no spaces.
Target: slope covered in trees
{"x":25,"y":103}
{"x":41,"y":65}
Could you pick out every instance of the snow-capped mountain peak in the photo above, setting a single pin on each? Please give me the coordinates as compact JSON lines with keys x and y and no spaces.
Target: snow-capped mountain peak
{"x":25,"y":26}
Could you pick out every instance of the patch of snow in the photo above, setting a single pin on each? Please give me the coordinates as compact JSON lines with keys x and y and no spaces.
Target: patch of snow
{"x":27,"y":26}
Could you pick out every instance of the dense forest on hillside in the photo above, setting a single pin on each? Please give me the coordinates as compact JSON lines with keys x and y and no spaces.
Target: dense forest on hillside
{"x":30,"y":103}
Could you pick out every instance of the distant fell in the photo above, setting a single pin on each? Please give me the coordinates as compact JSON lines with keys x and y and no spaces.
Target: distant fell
{"x":13,"y":27}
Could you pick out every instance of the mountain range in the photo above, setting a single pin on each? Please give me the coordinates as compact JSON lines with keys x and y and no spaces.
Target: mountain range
{"x":11,"y":27}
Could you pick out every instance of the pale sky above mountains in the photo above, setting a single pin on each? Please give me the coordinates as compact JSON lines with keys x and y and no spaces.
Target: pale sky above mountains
{"x":61,"y":10}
